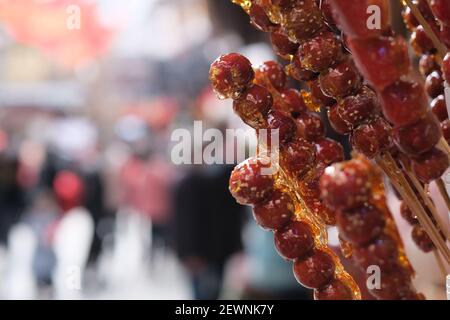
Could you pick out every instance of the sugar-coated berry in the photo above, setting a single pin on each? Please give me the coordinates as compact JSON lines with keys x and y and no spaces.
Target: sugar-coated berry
{"x":298,"y":72}
{"x":445,"y":126}
{"x":274,"y":73}
{"x":337,"y":123}
{"x":298,"y":157}
{"x":441,"y":9}
{"x":422,"y":239}
{"x":329,"y":151}
{"x":419,"y":137}
{"x":316,"y":270}
{"x":434,"y":84}
{"x":294,"y":241}
{"x":446,"y":67}
{"x":321,"y":52}
{"x":230,"y":75}
{"x":407,"y":214}
{"x":382,"y":252}
{"x":259,"y":18}
{"x":356,"y":109}
{"x":345,"y":185}
{"x":361,"y":225}
{"x":372,"y":138}
{"x":428,"y":64}
{"x":341,"y":80}
{"x":317,"y":95}
{"x":381,"y":60}
{"x":431,"y":165}
{"x":439,"y":108}
{"x":395,"y":285}
{"x":410,"y":20}
{"x":420,"y":41}
{"x":303,"y":21}
{"x":310,"y":126}
{"x":282,"y":45}
{"x":274,"y":213}
{"x":253,"y":106}
{"x":404,"y":102}
{"x":336,"y":290}
{"x":285,"y":125}
{"x":250,"y":183}
{"x":293,"y":102}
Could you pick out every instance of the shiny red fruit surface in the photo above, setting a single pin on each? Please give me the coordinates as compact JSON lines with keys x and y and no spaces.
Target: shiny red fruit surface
{"x":337,"y":123}
{"x":273,"y":72}
{"x":345,"y":186}
{"x":284,"y":124}
{"x":294,"y":241}
{"x":355,"y":109}
{"x":381,"y":252}
{"x":248,"y":182}
{"x":275,"y":212}
{"x":372,"y":138}
{"x":298,"y":157}
{"x":434,"y":84}
{"x":361,"y":225}
{"x":230,"y":75}
{"x":282,"y":45}
{"x":253,"y":106}
{"x":419,"y":137}
{"x":421,"y":239}
{"x":430,"y":166}
{"x":336,"y":290}
{"x":341,"y":80}
{"x":381,"y":60}
{"x":439,"y":108}
{"x":315,"y":271}
{"x":329,"y":151}
{"x":404,"y":102}
{"x":310,"y":126}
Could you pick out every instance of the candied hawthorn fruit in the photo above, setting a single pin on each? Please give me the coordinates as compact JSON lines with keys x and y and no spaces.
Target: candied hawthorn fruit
{"x":298,"y":156}
{"x":321,"y":52}
{"x":420,"y":41}
{"x":248,"y":182}
{"x":381,"y":60}
{"x":316,"y":270}
{"x":274,"y":213}
{"x":253,"y":106}
{"x":372,"y":138}
{"x":310,"y":126}
{"x":284,"y":124}
{"x":445,"y":126}
{"x":259,"y":18}
{"x":395,"y":285}
{"x":430,"y":166}
{"x":296,"y":70}
{"x":434,"y":84}
{"x":329,"y":151}
{"x":404,"y":102}
{"x":230,"y":75}
{"x":336,"y":290}
{"x":354,"y":18}
{"x":341,"y":80}
{"x":361,"y":225}
{"x":446,"y":67}
{"x":293,"y":102}
{"x":303,"y":21}
{"x":317,"y":95}
{"x":421,"y":239}
{"x":274,"y":73}
{"x":407,"y":214}
{"x":294,"y":241}
{"x":441,"y":9}
{"x":345,"y":185}
{"x":439,"y":108}
{"x":355,"y":109}
{"x":444,"y":35}
{"x":428,"y":64}
{"x":282,"y":45}
{"x":419,"y":137}
{"x":337,"y":123}
{"x":410,"y":20}
{"x":381,"y":252}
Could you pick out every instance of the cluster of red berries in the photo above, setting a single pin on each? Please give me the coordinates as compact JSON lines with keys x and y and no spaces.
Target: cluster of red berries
{"x":363,"y":221}
{"x":262,"y":101}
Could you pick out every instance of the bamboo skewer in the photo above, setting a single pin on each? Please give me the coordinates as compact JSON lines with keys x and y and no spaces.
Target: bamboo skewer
{"x":441,"y":48}
{"x":387,"y":163}
{"x":440,"y":263}
{"x":443,"y":191}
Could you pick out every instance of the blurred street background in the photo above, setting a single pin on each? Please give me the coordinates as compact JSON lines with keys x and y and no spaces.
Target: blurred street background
{"x":91,"y":207}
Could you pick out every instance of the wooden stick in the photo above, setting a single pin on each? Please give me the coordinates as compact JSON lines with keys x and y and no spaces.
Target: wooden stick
{"x":387,"y":163}
{"x":443,"y":191}
{"x":429,"y":203}
{"x":442,"y":49}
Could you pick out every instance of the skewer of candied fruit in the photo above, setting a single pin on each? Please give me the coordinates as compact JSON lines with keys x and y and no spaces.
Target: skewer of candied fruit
{"x":277,"y":199}
{"x":365,"y":221}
